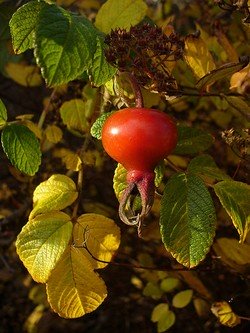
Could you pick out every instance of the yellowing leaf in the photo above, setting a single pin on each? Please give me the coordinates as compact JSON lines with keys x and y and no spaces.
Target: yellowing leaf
{"x":53,"y":133}
{"x":100,"y":235}
{"x":73,"y":288}
{"x":71,"y":159}
{"x":33,"y":127}
{"x":165,"y":322}
{"x":224,"y":313}
{"x":238,"y":79}
{"x":159,"y":311}
{"x":233,"y":253}
{"x":25,"y":75}
{"x":153,"y":290}
{"x":74,"y":116}
{"x":183,"y":298}
{"x":42,"y":241}
{"x":120,"y":14}
{"x":56,"y":193}
{"x":198,"y":56}
{"x":169,"y":284}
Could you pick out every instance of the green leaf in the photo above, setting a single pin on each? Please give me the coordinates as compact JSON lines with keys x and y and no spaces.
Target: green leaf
{"x":152,"y":290}
{"x":73,"y":115}
{"x":96,"y":129}
{"x":3,"y":113}
{"x":22,"y":148}
{"x":101,"y":71}
{"x":120,"y":14}
{"x":187,"y":219}
{"x":222,"y":72}
{"x":239,"y":104}
{"x":23,"y":24}
{"x":165,"y":322}
{"x":234,"y":197}
{"x":192,"y":141}
{"x":56,"y":193}
{"x":65,"y":44}
{"x":204,"y":165}
{"x":159,"y":311}
{"x":182,"y":299}
{"x":42,"y":242}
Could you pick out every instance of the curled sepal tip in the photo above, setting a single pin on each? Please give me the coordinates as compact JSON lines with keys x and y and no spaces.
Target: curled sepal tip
{"x":144,"y":184}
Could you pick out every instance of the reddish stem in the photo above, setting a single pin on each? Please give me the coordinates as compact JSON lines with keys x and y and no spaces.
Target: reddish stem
{"x":137,"y":91}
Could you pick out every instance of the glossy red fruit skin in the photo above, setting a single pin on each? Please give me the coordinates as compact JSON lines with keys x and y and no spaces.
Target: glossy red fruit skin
{"x":139,"y":138}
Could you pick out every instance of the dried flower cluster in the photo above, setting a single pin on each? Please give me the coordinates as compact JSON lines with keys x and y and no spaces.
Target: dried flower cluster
{"x":148,"y":53}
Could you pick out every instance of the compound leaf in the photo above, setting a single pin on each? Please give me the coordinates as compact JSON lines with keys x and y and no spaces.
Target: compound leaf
{"x":22,"y":148}
{"x":187,"y":219}
{"x":56,"y":193}
{"x":100,"y":235}
{"x":73,"y":288}
{"x":42,"y":242}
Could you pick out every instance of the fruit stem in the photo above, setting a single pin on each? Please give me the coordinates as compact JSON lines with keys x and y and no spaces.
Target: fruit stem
{"x":137,"y":91}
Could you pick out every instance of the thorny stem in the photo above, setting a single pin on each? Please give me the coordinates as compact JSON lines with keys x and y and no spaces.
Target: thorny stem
{"x":137,"y":91}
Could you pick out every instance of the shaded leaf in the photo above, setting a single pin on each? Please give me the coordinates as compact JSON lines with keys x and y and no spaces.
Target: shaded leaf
{"x":152,"y":290}
{"x":159,"y":311}
{"x":183,"y":298}
{"x":221,"y":72}
{"x":42,"y":242}
{"x":239,"y":104}
{"x":192,"y":141}
{"x":22,"y":148}
{"x":79,"y":290}
{"x":169,"y":284}
{"x":234,"y":197}
{"x":3,"y":113}
{"x":197,"y":56}
{"x":100,"y":235}
{"x":56,"y":193}
{"x":225,"y":314}
{"x":187,"y":218}
{"x":204,"y":165}
{"x":165,"y":322}
{"x":53,"y":133}
{"x":120,"y":14}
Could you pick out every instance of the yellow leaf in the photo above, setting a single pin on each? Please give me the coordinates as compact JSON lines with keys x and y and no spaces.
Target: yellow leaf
{"x":73,"y":288}
{"x":25,"y":75}
{"x":240,"y":79}
{"x":224,"y":313}
{"x":73,"y":115}
{"x":182,"y":299}
{"x":120,"y":14}
{"x":53,"y":133}
{"x":56,"y":193}
{"x":159,"y":311}
{"x":71,"y":159}
{"x":33,"y":127}
{"x":100,"y":235}
{"x":30,"y":325}
{"x":41,"y":243}
{"x":198,"y":56}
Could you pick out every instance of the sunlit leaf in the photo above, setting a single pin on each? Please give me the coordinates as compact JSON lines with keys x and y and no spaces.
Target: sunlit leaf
{"x":225,"y":314}
{"x":100,"y":235}
{"x":25,"y":75}
{"x":3,"y":113}
{"x":73,"y":288}
{"x":221,"y":72}
{"x":120,"y":14}
{"x":182,"y":299}
{"x":22,"y":148}
{"x":234,"y":197}
{"x":56,"y":193}
{"x":42,"y":242}
{"x":197,"y":56}
{"x":187,"y":218}
{"x":73,"y":115}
